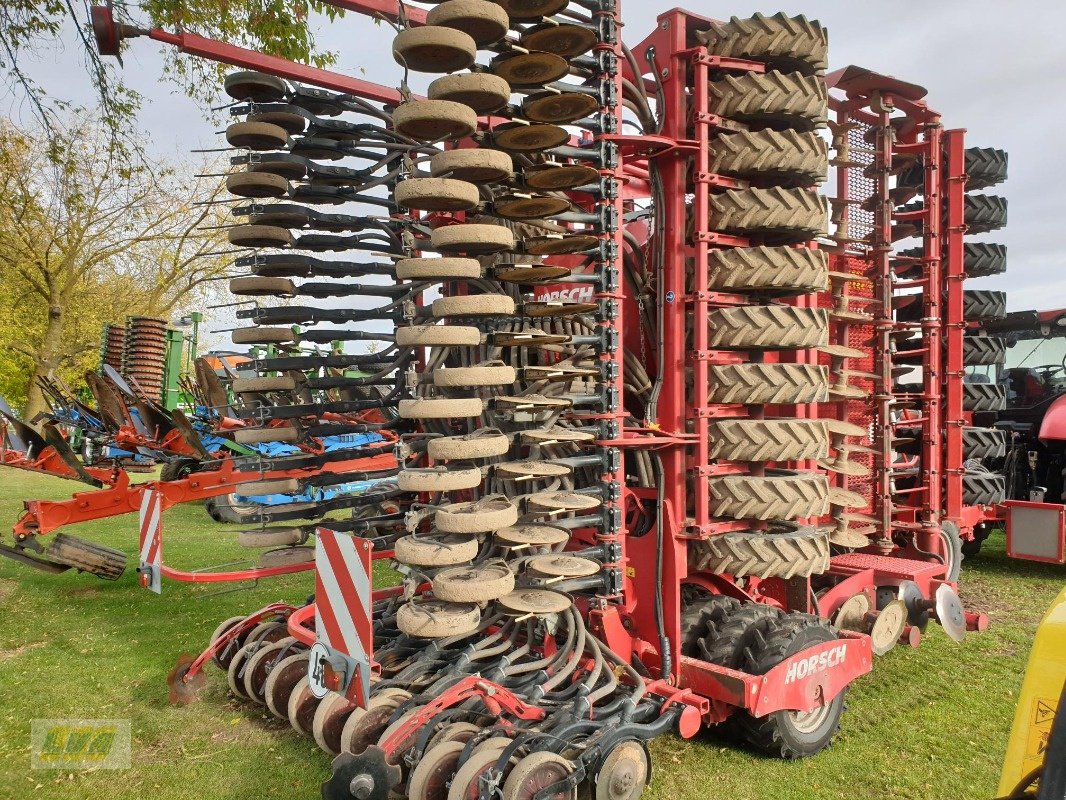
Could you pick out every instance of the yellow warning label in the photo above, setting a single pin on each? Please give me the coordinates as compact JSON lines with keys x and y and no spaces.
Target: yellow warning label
{"x":631,"y":572}
{"x":1039,"y":732}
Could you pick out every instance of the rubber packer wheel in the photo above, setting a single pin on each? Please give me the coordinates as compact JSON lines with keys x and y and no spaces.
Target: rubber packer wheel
{"x":257,"y":136}
{"x":769,"y":439}
{"x":434,"y":120}
{"x":477,"y":583}
{"x":484,"y":443}
{"x":438,"y":336}
{"x":768,"y":327}
{"x":281,"y":681}
{"x":488,"y":514}
{"x":476,"y":305}
{"x":538,"y":771}
{"x":255,"y":86}
{"x":258,"y":435}
{"x":281,"y":383}
{"x":436,"y":194}
{"x":483,"y":93}
{"x":756,"y":383}
{"x":776,"y":215}
{"x":260,"y":488}
{"x":484,"y":22}
{"x":782,"y":99}
{"x":491,"y":373}
{"x":260,"y":236}
{"x":262,"y":335}
{"x":788,"y":43}
{"x":983,"y":397}
{"x":795,"y":553}
{"x":438,"y":479}
{"x":531,"y":10}
{"x":438,"y":269}
{"x":263,"y":287}
{"x":436,"y":549}
{"x":768,"y":270}
{"x":479,"y":165}
{"x":790,"y":734}
{"x":271,"y":537}
{"x":780,"y":494}
{"x":257,"y":184}
{"x":436,"y":619}
{"x":787,"y":158}
{"x":432,"y":48}
{"x":473,"y":239}
{"x":440,"y":408}
{"x":431,"y":775}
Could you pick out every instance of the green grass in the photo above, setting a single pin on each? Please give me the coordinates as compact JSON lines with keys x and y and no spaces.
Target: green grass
{"x":927,"y":723}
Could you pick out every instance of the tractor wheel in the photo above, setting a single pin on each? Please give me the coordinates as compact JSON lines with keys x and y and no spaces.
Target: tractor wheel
{"x":756,"y":383}
{"x":982,"y":489}
{"x":780,"y":99}
{"x":784,"y":158}
{"x":790,"y":734}
{"x":983,"y":397}
{"x":723,"y":642}
{"x":697,"y":611}
{"x":982,"y":443}
{"x":983,"y":350}
{"x":776,"y":215}
{"x":769,"y":440}
{"x":768,"y":270}
{"x":85,"y":556}
{"x":981,"y":259}
{"x":767,"y":327}
{"x":983,"y":304}
{"x":779,"y":494}
{"x":787,"y":43}
{"x":985,"y":212}
{"x":793,"y":553}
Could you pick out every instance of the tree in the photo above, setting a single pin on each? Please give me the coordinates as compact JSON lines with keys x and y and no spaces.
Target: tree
{"x":29,"y":28}
{"x":87,"y":238}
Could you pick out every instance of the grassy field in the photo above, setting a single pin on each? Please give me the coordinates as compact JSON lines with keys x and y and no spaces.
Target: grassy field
{"x":928,"y":723}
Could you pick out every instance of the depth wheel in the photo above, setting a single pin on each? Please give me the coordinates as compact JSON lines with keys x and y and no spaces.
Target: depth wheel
{"x":624,"y":773}
{"x":537,"y":772}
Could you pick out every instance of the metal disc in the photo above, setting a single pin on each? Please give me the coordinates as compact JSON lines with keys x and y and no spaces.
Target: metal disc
{"x":917,"y":612}
{"x":520,"y":138}
{"x":950,"y":613}
{"x":561,"y":245}
{"x":529,"y":69}
{"x":563,"y":566}
{"x":841,"y":428}
{"x":563,"y":501}
{"x":847,"y":315}
{"x":843,"y":391}
{"x":851,"y":616}
{"x":850,"y":538}
{"x":558,"y":177}
{"x":842,"y":351}
{"x":854,"y":448}
{"x":844,"y":467}
{"x":888,"y":627}
{"x":530,"y":337}
{"x":845,"y":498}
{"x":530,"y":402}
{"x":518,"y":470}
{"x":529,"y":273}
{"x":522,"y":207}
{"x":534,"y":601}
{"x":848,"y":277}
{"x":624,"y":773}
{"x":555,"y":436}
{"x":855,"y":516}
{"x":183,"y":692}
{"x":564,"y":40}
{"x":559,"y":108}
{"x":531,"y":535}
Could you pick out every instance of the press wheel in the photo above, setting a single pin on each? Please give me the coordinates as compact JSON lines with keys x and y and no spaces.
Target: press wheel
{"x":552,"y":176}
{"x":364,"y":726}
{"x":432,"y":48}
{"x":559,"y":108}
{"x":282,"y":681}
{"x":477,"y":583}
{"x":434,"y":771}
{"x":563,"y":40}
{"x":483,"y":21}
{"x":483,"y":93}
{"x":302,"y":706}
{"x":434,"y":120}
{"x":623,"y":774}
{"x":478,"y":165}
{"x":436,"y":549}
{"x":537,"y":772}
{"x":329,"y":720}
{"x":437,"y":619}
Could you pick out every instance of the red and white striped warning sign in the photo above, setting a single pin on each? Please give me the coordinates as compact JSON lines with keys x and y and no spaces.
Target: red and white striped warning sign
{"x":152,"y":541}
{"x":343,"y":609}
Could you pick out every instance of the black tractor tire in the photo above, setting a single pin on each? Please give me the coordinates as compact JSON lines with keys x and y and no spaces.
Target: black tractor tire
{"x":985,"y":167}
{"x":698,"y":609}
{"x":985,"y":212}
{"x":983,"y":397}
{"x":789,"y":734}
{"x":984,"y":304}
{"x":982,"y":443}
{"x":983,"y":350}
{"x":982,"y":259}
{"x":949,"y":533}
{"x":724,"y":642}
{"x":982,"y":489}
{"x":971,"y":547}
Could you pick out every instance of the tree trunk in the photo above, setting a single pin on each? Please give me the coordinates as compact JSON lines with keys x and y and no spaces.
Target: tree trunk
{"x":49,"y":357}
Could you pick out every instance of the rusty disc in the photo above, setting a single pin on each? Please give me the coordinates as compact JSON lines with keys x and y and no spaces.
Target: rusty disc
{"x":559,"y":244}
{"x":522,"y":138}
{"x":529,"y":69}
{"x":559,"y":108}
{"x":529,"y":273}
{"x":564,"y":40}
{"x":841,"y":427}
{"x":527,"y":338}
{"x":850,"y":538}
{"x":530,"y":402}
{"x":845,"y":498}
{"x":529,"y":10}
{"x":555,"y":176}
{"x":281,"y":682}
{"x":519,"y":470}
{"x":302,"y":706}
{"x":560,"y":565}
{"x":522,"y":206}
{"x":365,"y":725}
{"x":531,"y":535}
{"x":329,"y":720}
{"x":555,"y":435}
{"x":557,"y":308}
{"x":842,"y":351}
{"x":183,"y":689}
{"x":562,"y":501}
{"x":844,"y":467}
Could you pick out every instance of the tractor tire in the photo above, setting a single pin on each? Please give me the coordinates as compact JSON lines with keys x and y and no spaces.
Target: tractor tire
{"x":780,"y":494}
{"x":754,"y":383}
{"x":985,"y":212}
{"x":983,"y":350}
{"x":985,"y":167}
{"x":790,"y":734}
{"x":697,"y":612}
{"x":982,"y":489}
{"x":85,"y":556}
{"x":982,"y":443}
{"x":983,"y":397}
{"x":971,"y":547}
{"x":782,"y":158}
{"x":776,"y":99}
{"x":788,"y":43}
{"x":769,"y":440}
{"x":767,"y":327}
{"x":723,"y":642}
{"x":768,"y":270}
{"x":983,"y":304}
{"x":981,"y":259}
{"x":793,"y":553}
{"x":776,"y":215}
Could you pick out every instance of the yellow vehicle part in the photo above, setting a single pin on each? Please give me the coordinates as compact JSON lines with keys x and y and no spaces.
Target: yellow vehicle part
{"x":1039,"y":699}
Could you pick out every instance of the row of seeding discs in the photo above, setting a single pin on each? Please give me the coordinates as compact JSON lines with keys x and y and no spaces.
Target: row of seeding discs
{"x":773,"y":145}
{"x":145,"y":353}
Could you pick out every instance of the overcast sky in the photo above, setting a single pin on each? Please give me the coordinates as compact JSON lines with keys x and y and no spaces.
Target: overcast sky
{"x":996,"y":69}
